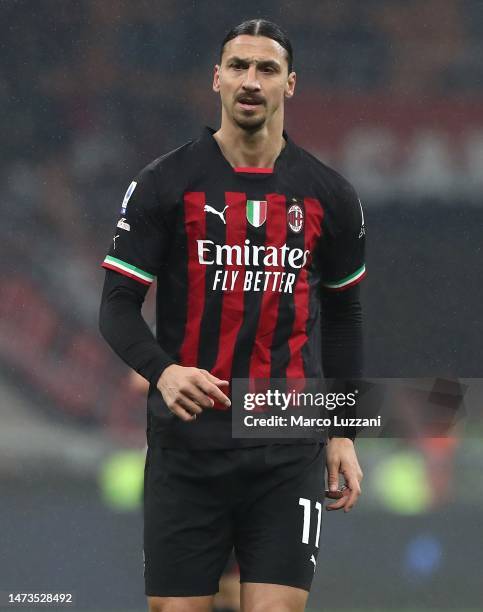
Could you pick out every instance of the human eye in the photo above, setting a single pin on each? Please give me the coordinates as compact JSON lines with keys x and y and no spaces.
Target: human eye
{"x":268,"y":69}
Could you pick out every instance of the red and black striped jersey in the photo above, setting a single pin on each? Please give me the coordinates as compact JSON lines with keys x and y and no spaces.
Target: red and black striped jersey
{"x":241,"y":256}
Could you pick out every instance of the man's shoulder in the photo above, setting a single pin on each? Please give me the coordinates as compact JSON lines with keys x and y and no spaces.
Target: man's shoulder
{"x":327,"y":180}
{"x":337,"y":196}
{"x":171,"y":172}
{"x":172,"y":160}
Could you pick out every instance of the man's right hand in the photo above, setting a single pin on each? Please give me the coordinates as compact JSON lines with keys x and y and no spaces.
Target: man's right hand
{"x":188,"y":391}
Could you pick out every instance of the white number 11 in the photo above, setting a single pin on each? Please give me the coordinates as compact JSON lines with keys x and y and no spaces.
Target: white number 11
{"x":306,"y":503}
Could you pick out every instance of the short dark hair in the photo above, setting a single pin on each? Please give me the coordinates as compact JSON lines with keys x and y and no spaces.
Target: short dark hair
{"x":261,"y":27}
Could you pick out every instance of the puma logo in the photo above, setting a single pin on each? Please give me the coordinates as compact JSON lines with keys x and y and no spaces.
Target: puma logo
{"x":312,"y":558}
{"x":220,"y":213}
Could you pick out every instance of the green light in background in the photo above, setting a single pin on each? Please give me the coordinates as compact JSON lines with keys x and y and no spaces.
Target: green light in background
{"x":401,"y":483}
{"x":121,"y":480}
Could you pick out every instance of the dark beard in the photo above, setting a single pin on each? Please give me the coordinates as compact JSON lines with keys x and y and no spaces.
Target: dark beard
{"x":252,"y":127}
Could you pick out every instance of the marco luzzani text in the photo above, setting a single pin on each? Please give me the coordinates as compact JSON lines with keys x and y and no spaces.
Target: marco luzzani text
{"x":275,"y":399}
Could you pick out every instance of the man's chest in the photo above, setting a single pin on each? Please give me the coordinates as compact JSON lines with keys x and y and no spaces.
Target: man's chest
{"x":251,"y":240}
{"x":254,"y":216}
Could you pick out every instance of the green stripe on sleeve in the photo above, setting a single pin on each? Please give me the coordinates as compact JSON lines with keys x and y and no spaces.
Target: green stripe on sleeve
{"x":347,"y":280}
{"x":123,"y":265}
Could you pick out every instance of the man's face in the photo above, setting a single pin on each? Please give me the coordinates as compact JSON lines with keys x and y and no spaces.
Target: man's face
{"x":253,"y":80}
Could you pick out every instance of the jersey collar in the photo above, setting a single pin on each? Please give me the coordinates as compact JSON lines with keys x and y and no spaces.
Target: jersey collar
{"x":244,"y":171}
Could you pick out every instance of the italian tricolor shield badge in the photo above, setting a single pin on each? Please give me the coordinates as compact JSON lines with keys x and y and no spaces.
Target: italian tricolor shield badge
{"x":256,"y":212}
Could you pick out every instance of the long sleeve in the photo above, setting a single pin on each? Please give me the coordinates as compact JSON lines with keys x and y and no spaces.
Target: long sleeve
{"x":342,"y":343}
{"x":137,"y":252}
{"x":341,"y":319}
{"x":125,"y":330}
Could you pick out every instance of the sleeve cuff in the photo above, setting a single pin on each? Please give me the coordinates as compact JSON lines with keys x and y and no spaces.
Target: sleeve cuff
{"x":340,"y":432}
{"x":126,"y":269}
{"x":153,"y":370}
{"x":348,"y":281}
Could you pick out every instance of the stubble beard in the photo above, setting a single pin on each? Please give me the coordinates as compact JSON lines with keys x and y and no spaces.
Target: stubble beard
{"x":250,"y":124}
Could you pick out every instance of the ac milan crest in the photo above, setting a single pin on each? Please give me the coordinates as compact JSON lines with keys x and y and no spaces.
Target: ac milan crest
{"x":295,"y":218}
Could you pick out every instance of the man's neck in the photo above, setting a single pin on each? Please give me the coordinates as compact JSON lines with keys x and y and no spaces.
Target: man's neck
{"x":250,"y":149}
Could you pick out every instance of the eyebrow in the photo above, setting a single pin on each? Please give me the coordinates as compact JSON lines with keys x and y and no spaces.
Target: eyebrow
{"x":261,"y":63}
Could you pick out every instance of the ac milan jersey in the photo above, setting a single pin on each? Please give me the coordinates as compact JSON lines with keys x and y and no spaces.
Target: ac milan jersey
{"x":241,"y":256}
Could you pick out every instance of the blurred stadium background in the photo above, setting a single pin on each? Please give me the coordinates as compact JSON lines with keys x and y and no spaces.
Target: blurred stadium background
{"x":391,"y":94}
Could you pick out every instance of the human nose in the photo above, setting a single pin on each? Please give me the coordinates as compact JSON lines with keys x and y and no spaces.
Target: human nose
{"x":251,"y":81}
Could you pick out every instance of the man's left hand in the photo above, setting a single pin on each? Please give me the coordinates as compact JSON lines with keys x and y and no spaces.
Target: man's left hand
{"x":342,"y":459}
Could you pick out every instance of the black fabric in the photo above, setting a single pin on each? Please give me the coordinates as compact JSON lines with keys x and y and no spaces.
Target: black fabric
{"x":220,"y":240}
{"x":342,"y":344}
{"x":265,"y":502}
{"x":341,"y":331}
{"x":124,"y":328}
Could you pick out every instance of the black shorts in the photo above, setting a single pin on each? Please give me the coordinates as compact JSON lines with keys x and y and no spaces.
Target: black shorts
{"x":265,"y":502}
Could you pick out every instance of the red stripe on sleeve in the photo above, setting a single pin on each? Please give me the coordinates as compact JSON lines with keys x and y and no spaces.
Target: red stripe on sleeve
{"x":351,"y":284}
{"x":124,"y":273}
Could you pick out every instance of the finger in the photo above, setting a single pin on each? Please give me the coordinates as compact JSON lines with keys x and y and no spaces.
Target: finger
{"x":340,"y":503}
{"x":196,"y":395}
{"x":213,"y":391}
{"x":214,"y":379}
{"x":189,"y":405}
{"x":354,"y":492}
{"x":333,"y":494}
{"x":180,"y":412}
{"x":333,"y":476}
